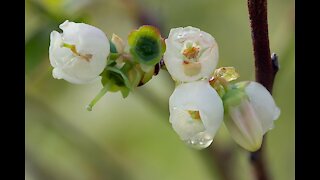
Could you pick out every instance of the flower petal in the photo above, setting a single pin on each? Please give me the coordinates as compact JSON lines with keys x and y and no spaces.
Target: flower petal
{"x":264,"y":104}
{"x":244,"y":126}
{"x":196,"y":96}
{"x":79,"y":54}
{"x":204,"y":51}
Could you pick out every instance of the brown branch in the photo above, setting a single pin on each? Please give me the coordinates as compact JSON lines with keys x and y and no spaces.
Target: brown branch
{"x":143,"y":16}
{"x":266,"y":68}
{"x":258,"y":163}
{"x":223,"y":157}
{"x":265,"y":71}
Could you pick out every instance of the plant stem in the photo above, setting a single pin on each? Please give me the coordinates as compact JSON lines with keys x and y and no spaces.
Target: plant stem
{"x":265,"y":70}
{"x":258,"y":163}
{"x":142,"y":15}
{"x":223,"y":158}
{"x":102,"y":92}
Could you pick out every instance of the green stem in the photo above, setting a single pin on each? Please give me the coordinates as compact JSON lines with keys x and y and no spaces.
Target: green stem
{"x":102,"y":92}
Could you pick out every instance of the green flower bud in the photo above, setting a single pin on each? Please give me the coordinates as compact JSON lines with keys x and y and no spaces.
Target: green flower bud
{"x":146,"y":45}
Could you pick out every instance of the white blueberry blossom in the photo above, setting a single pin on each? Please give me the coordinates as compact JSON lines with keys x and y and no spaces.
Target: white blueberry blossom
{"x":196,"y":113}
{"x":79,"y":54}
{"x":191,"y":54}
{"x":250,"y":114}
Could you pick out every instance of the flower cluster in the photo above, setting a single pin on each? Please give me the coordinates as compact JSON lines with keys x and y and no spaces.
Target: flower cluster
{"x":204,"y":97}
{"x":196,"y":110}
{"x":83,"y":53}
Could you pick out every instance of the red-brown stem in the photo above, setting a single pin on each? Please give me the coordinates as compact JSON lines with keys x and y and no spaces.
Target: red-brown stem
{"x":265,"y":69}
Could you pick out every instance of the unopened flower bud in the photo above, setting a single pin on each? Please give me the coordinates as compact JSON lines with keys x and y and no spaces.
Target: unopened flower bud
{"x":249,"y":113}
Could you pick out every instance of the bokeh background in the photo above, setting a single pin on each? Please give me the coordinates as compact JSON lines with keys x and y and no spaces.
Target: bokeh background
{"x":131,"y":138}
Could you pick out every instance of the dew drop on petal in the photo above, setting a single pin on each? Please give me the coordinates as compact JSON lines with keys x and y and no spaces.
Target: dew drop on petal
{"x":200,"y":141}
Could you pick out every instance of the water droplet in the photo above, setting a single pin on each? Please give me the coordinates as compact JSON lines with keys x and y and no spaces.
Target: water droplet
{"x":200,"y":141}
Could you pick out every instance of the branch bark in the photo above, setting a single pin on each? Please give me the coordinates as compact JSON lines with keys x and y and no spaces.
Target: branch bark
{"x":266,"y":68}
{"x":223,"y":158}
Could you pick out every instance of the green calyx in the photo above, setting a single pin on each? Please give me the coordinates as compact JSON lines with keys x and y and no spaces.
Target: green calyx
{"x":241,"y":85}
{"x":113,"y":80}
{"x":146,"y":45}
{"x":127,"y":70}
{"x":118,"y":79}
{"x":233,"y":97}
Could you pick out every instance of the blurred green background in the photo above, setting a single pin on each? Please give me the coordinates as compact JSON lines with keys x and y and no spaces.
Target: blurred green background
{"x":132,"y":138}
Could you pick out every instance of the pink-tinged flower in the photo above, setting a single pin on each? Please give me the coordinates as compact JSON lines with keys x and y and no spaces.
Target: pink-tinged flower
{"x":249,"y":113}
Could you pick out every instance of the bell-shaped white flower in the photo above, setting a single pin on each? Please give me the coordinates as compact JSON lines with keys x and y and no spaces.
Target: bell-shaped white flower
{"x":250,"y":111}
{"x":196,"y":113}
{"x":191,"y":54}
{"x":79,"y":54}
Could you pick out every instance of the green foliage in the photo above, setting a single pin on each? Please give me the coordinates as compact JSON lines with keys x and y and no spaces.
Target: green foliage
{"x":37,"y":45}
{"x":117,"y":79}
{"x":127,"y":70}
{"x":35,"y":49}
